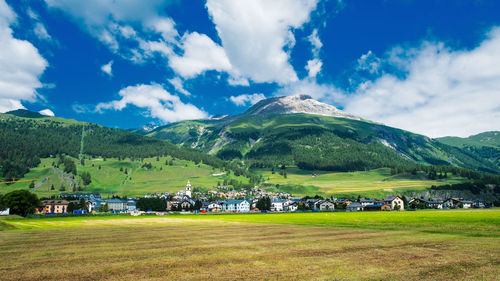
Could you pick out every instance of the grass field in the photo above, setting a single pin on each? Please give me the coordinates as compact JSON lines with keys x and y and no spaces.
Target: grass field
{"x":374,"y":183}
{"x":427,"y":245}
{"x":139,"y":181}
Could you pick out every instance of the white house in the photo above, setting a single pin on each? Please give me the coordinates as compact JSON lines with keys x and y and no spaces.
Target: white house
{"x":278,"y":205}
{"x":326,"y":206}
{"x":240,"y":206}
{"x":394,"y":201}
{"x":5,"y":212}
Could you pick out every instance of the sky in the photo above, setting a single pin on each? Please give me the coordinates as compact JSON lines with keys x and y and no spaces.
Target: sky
{"x":430,"y":67}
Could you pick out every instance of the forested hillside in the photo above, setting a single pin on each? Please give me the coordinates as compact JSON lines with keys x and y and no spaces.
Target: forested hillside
{"x":316,"y":142}
{"x":485,"y":145}
{"x":23,"y":141}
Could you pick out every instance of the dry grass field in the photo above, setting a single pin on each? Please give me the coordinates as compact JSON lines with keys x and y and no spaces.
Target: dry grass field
{"x":248,"y":247}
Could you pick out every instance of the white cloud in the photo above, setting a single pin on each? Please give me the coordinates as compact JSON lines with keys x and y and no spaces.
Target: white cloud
{"x":313,"y":67}
{"x":242,"y":100}
{"x":158,"y":102}
{"x":111,"y":24}
{"x":200,"y":54}
{"x":309,"y":86}
{"x":47,"y":112}
{"x":444,"y":91}
{"x":179,"y":87}
{"x":257,"y":37}
{"x":20,"y":65}
{"x":39,"y":29}
{"x":315,"y":42}
{"x":369,"y":62}
{"x":107,"y":68}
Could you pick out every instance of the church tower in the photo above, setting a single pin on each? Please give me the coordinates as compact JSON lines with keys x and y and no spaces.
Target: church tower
{"x":188,"y":189}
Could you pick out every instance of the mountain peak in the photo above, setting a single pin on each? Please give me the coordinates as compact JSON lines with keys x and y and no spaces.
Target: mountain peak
{"x":297,"y":104}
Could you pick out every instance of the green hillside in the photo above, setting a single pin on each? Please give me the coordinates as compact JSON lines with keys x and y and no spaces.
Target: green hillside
{"x":485,"y":145}
{"x":316,"y":142}
{"x":123,"y":177}
{"x":374,"y":183}
{"x":26,"y":140}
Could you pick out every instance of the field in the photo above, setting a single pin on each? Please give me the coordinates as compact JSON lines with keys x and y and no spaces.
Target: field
{"x":374,"y":183}
{"x":139,"y":181}
{"x":426,"y":245}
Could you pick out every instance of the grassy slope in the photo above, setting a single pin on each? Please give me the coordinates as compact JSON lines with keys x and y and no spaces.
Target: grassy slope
{"x":437,"y":245}
{"x":375,"y":183}
{"x":491,"y":139}
{"x":140,"y":181}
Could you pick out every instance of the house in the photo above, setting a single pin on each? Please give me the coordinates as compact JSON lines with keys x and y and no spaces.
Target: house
{"x":326,"y":205}
{"x":277,"y":205}
{"x":292,"y":206}
{"x":367,"y":201}
{"x":173,"y":205}
{"x":395,"y":202}
{"x":186,"y":203}
{"x":377,"y":207}
{"x":116,"y":204}
{"x":131,"y":206}
{"x":214,"y":207}
{"x":354,"y":207}
{"x":5,"y":212}
{"x":240,"y":206}
{"x":465,"y":204}
{"x":54,"y":207}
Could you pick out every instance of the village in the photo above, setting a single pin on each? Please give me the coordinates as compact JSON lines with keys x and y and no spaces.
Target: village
{"x":223,"y":200}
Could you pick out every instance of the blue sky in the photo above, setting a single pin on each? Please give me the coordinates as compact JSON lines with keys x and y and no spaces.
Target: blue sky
{"x":426,"y":66}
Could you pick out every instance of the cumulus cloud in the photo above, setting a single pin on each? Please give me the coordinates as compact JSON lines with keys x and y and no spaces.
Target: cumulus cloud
{"x":257,"y":35}
{"x":178,"y":85}
{"x":47,"y":112}
{"x":443,"y":91}
{"x":200,"y":54}
{"x":313,"y":67}
{"x":156,"y":100}
{"x":243,"y":100}
{"x":20,"y":65}
{"x":107,"y":68}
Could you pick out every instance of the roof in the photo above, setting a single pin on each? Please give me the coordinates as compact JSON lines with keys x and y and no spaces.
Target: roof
{"x":55,"y":202}
{"x":390,"y":198}
{"x":354,"y":205}
{"x":114,"y":200}
{"x":234,"y":201}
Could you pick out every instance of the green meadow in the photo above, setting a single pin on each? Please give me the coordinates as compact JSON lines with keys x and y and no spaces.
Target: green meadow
{"x":107,"y":177}
{"x":374,"y":183}
{"x":421,"y":245}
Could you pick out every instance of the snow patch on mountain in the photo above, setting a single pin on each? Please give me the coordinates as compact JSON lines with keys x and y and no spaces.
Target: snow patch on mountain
{"x":297,"y":104}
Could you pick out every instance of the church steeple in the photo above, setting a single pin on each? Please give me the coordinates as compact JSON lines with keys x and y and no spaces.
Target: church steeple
{"x":188,"y":189}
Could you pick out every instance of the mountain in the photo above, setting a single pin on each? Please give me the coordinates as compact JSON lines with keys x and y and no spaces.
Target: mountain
{"x":301,"y":131}
{"x":485,"y":145}
{"x":296,"y":104}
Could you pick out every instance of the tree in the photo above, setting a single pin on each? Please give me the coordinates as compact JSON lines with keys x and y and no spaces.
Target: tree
{"x":264,"y":203}
{"x":69,"y":166}
{"x":82,"y":205}
{"x":197,"y":205}
{"x":71,"y":207}
{"x":86,"y":178}
{"x":62,"y":188}
{"x":103,"y":208}
{"x":32,"y":184}
{"x":21,"y":202}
